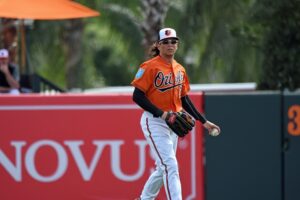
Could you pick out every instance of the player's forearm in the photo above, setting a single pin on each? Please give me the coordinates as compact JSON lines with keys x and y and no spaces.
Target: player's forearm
{"x":140,"y":99}
{"x":190,"y":108}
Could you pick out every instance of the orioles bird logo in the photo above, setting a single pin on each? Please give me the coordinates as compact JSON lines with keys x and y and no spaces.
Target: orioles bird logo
{"x":168,"y":32}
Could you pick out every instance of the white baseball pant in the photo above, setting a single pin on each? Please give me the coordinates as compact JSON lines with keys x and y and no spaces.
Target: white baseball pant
{"x":163,"y":144}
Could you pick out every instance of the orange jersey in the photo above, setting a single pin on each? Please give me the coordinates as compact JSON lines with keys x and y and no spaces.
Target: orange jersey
{"x":163,"y":83}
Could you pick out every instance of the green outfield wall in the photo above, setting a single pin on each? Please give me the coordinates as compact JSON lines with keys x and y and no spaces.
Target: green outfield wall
{"x":257,"y":155}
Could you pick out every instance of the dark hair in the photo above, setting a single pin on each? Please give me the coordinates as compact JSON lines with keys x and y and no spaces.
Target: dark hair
{"x":153,"y":51}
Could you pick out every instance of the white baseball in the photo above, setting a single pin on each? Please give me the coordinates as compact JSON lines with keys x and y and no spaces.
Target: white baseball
{"x":214,"y":132}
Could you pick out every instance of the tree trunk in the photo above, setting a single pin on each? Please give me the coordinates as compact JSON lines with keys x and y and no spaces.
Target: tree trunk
{"x":72,"y":42}
{"x":154,"y":13}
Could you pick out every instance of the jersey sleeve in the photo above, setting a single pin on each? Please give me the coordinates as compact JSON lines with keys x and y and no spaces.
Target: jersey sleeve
{"x":142,"y":79}
{"x":185,"y":85}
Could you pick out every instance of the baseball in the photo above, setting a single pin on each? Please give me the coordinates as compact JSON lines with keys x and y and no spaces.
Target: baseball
{"x":214,"y":132}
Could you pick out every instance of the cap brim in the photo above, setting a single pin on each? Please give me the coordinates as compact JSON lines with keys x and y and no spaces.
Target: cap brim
{"x":169,"y":38}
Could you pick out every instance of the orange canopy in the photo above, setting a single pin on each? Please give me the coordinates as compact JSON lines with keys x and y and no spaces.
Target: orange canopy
{"x":44,"y":9}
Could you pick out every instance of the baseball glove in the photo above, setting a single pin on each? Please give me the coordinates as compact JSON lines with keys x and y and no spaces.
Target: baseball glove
{"x":180,"y":122}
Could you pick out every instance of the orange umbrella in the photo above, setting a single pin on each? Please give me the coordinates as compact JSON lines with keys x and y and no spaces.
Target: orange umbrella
{"x":42,"y":10}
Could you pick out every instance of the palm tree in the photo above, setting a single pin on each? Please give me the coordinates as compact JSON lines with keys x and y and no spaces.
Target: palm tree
{"x":212,"y":51}
{"x":148,"y":20}
{"x":72,"y":43}
{"x":213,"y":45}
{"x":153,"y":17}
{"x":127,"y":29}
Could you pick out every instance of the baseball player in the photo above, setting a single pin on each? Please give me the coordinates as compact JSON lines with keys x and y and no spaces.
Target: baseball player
{"x":162,"y":86}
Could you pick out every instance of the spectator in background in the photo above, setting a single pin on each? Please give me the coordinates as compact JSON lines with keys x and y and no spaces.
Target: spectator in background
{"x":9,"y":80}
{"x":9,"y":38}
{"x":9,"y":35}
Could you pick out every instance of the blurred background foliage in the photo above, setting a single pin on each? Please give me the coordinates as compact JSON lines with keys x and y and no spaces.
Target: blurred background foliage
{"x":221,"y":41}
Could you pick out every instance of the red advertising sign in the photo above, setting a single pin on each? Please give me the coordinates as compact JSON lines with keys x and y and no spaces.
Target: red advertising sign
{"x":83,"y":147}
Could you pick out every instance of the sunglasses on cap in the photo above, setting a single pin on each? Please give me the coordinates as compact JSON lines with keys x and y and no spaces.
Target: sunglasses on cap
{"x":172,"y":41}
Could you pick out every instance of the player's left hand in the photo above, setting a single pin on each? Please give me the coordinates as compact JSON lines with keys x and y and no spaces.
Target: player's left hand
{"x":180,"y":122}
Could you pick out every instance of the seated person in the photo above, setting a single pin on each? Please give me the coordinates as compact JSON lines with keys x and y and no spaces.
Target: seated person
{"x":8,"y":75}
